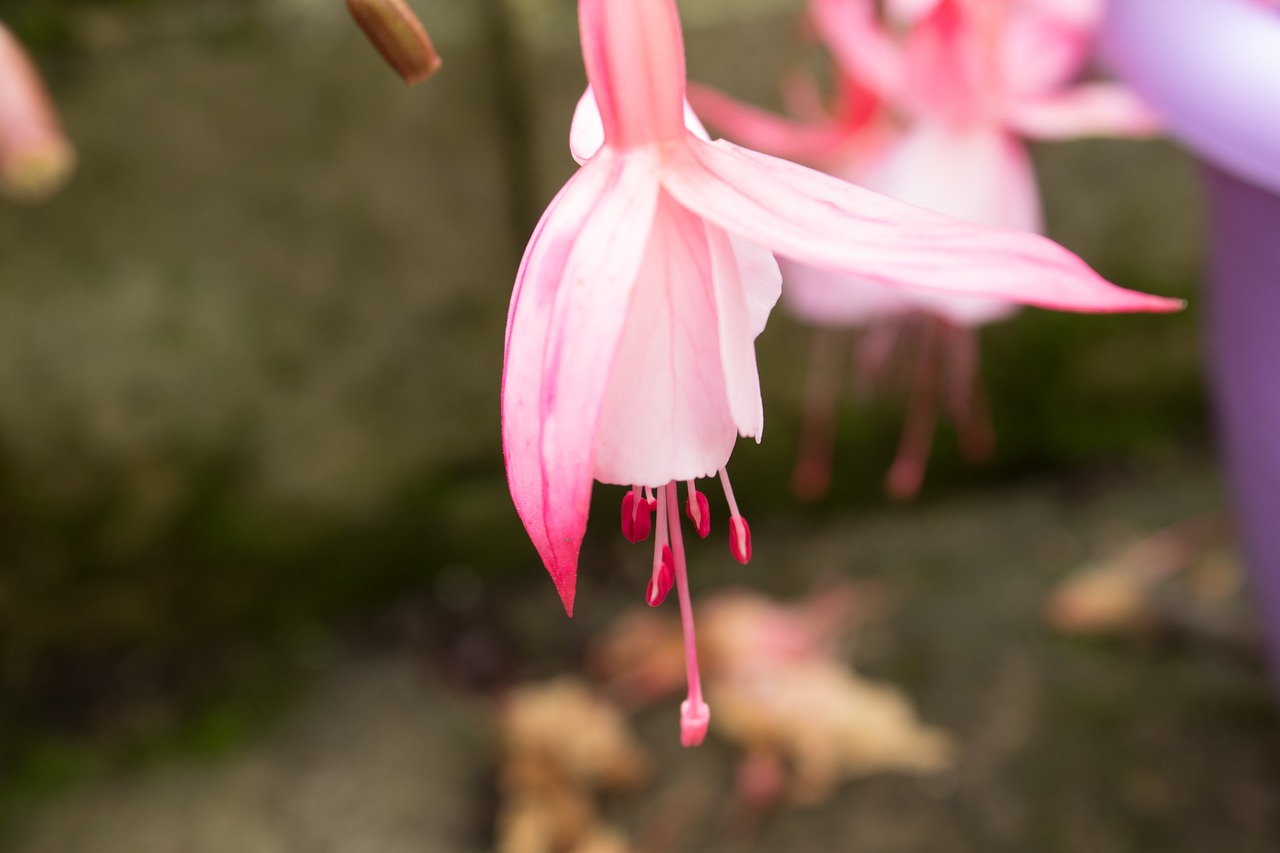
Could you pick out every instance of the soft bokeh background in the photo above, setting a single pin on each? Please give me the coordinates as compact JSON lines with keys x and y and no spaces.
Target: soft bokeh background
{"x":259,"y":572}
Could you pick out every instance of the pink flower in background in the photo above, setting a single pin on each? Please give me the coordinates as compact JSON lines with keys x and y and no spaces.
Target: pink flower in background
{"x":959,"y":83}
{"x":36,"y":157}
{"x":630,"y":339}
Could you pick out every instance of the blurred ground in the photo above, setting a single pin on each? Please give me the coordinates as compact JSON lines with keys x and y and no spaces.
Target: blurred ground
{"x":1157,"y":742}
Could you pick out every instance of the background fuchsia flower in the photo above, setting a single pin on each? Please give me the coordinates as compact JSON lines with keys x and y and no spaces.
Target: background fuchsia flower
{"x":630,"y":338}
{"x":956,"y":84}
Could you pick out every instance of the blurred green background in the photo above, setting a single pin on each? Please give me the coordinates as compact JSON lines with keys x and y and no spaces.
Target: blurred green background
{"x":250,"y":356}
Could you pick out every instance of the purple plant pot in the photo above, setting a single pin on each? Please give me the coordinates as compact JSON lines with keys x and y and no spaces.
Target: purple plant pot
{"x":1212,"y":68}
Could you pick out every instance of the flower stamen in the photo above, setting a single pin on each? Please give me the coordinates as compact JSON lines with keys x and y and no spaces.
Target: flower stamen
{"x":664,"y":572}
{"x":636,"y":518}
{"x":698,"y":510}
{"x":907,"y":472}
{"x":739,"y":530}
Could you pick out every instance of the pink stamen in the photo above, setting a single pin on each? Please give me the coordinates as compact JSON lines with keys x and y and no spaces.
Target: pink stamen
{"x":739,"y":530}
{"x":694,"y":713}
{"x":812,"y":475}
{"x":874,"y":355}
{"x":968,"y":399}
{"x":698,"y":510}
{"x":907,"y":472}
{"x":636,"y":519}
{"x":664,"y":577}
{"x":650,"y":499}
{"x":663,"y":574}
{"x":740,"y":539}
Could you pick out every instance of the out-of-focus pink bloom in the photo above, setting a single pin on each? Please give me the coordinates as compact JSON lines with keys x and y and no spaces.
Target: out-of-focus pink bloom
{"x":35,"y":156}
{"x":630,"y":339}
{"x":959,"y":83}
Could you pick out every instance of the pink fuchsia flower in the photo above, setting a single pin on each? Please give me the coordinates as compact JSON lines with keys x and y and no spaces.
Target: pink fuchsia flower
{"x":630,"y":338}
{"x":960,"y":82}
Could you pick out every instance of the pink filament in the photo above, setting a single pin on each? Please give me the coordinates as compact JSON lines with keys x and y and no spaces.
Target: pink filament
{"x":739,"y":531}
{"x":812,"y":475}
{"x":907,"y":472}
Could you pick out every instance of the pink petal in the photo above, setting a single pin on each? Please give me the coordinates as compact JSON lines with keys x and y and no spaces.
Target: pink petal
{"x":586,"y":134}
{"x":863,"y":49}
{"x":908,"y":11}
{"x":666,"y":413}
{"x":761,"y":281}
{"x":1039,"y":53}
{"x":737,"y":339}
{"x":1083,"y":14}
{"x":634,"y":55}
{"x":817,"y":219}
{"x":565,"y":320}
{"x":979,"y":174}
{"x":1092,"y":109}
{"x":950,"y":71}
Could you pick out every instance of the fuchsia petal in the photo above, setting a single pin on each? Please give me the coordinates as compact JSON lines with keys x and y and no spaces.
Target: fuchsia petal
{"x":1040,"y":53}
{"x":908,"y":11}
{"x":540,"y":276}
{"x":864,"y":50}
{"x":764,"y":131}
{"x":586,"y":134}
{"x":979,"y":174}
{"x":666,"y":413}
{"x":1092,"y":109}
{"x":634,"y":54}
{"x":1083,"y":14}
{"x":761,"y":281}
{"x":817,"y":219}
{"x":737,"y":341}
{"x":576,"y":276}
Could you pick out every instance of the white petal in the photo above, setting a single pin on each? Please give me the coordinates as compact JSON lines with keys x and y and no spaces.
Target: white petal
{"x":666,"y":411}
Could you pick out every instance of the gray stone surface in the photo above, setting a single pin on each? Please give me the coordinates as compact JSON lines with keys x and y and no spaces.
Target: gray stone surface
{"x":378,"y":760}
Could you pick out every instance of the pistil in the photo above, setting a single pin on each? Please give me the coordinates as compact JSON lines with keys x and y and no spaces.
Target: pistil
{"x":694,"y":713}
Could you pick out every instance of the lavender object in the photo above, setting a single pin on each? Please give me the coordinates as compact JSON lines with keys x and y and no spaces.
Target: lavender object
{"x":1212,"y":67}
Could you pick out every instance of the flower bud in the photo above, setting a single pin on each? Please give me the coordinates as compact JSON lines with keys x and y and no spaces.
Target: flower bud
{"x":35,"y":156}
{"x":398,"y":35}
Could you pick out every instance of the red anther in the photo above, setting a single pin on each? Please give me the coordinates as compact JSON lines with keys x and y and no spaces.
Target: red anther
{"x":699,"y":513}
{"x":637,"y":521}
{"x":740,"y":539}
{"x":663,"y":579}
